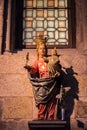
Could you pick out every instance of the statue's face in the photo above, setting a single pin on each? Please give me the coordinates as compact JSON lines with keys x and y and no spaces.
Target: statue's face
{"x":42,"y":50}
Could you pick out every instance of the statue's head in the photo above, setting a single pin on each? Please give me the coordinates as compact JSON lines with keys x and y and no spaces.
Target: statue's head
{"x":54,"y":51}
{"x":41,"y":46}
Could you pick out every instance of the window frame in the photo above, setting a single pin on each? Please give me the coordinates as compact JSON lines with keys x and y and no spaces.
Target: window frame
{"x":16,"y":37}
{"x":71,"y":29}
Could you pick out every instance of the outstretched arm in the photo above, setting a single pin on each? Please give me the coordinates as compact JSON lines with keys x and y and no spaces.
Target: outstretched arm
{"x":27,"y":67}
{"x":30,"y":69}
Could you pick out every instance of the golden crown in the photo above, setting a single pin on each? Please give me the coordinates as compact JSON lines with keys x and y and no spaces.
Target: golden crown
{"x":41,"y":39}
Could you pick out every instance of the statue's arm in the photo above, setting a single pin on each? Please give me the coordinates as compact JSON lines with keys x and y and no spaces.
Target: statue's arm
{"x":27,"y":67}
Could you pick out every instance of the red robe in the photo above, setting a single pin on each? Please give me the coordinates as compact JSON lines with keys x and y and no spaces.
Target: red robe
{"x":41,"y":67}
{"x":46,"y":111}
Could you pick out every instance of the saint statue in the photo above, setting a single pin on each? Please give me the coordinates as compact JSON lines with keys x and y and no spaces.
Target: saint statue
{"x":45,"y":77}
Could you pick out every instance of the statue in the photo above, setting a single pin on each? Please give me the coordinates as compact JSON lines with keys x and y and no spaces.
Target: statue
{"x":45,"y":77}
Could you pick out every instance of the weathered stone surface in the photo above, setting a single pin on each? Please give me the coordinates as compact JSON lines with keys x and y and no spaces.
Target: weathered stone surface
{"x":82,"y":108}
{"x":3,"y":125}
{"x":79,"y":63}
{"x":15,"y":85}
{"x":74,"y":59}
{"x":77,"y":125}
{"x":23,"y":125}
{"x":82,"y":84}
{"x":1,"y":108}
{"x":12,"y":64}
{"x":81,"y":123}
{"x":12,"y":125}
{"x":1,"y":4}
{"x":17,"y":108}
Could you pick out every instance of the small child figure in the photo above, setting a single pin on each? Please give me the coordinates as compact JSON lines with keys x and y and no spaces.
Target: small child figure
{"x":54,"y":64}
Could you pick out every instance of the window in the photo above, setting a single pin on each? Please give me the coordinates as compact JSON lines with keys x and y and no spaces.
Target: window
{"x":55,"y":18}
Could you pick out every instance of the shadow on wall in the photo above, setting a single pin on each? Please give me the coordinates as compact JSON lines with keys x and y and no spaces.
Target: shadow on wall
{"x":5,"y":15}
{"x":69,"y":80}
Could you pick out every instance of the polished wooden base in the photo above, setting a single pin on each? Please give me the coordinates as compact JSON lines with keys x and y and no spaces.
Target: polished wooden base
{"x":47,"y":125}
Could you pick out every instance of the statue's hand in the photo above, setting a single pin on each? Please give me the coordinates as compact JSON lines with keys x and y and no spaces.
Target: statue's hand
{"x":28,"y":67}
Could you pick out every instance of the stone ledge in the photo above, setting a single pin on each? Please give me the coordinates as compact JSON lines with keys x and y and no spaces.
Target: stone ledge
{"x":14,"y":125}
{"x":47,"y":124}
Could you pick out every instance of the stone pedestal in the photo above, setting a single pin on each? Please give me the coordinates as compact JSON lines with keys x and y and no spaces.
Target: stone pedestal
{"x":47,"y":125}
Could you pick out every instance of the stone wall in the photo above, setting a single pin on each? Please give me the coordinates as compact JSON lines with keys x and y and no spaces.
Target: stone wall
{"x":16,"y":96}
{"x":17,"y":104}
